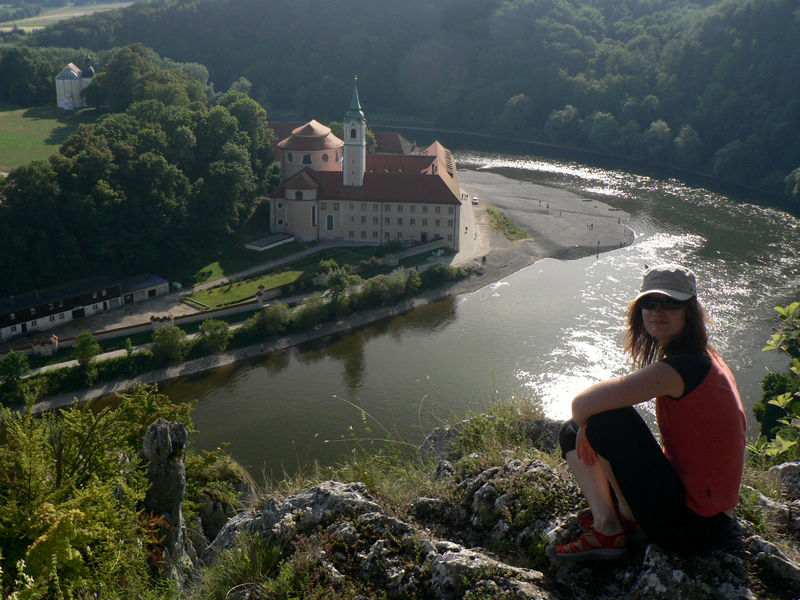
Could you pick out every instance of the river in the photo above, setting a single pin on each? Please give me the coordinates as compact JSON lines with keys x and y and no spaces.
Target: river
{"x":543,"y":333}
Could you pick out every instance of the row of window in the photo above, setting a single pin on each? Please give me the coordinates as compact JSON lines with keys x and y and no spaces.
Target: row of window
{"x":387,"y":236}
{"x":35,"y":322}
{"x":52,"y":305}
{"x":306,"y":160}
{"x":386,"y":207}
{"x":411,"y":221}
{"x":329,"y":224}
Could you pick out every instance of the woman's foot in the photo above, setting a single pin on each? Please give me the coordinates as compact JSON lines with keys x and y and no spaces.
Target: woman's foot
{"x":632,"y":530}
{"x":586,"y":521}
{"x":591,"y":545}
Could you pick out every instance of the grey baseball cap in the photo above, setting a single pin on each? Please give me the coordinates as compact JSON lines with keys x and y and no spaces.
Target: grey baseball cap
{"x":671,"y":280}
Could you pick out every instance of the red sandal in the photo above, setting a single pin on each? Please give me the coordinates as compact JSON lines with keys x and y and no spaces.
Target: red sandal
{"x":586,"y":521}
{"x":592,"y":545}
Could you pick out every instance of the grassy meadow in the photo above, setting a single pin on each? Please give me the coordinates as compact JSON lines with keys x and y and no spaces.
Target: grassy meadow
{"x":54,"y":15}
{"x":28,"y":134}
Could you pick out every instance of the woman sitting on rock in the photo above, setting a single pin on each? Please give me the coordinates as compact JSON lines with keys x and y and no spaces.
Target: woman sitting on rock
{"x":681,"y":497}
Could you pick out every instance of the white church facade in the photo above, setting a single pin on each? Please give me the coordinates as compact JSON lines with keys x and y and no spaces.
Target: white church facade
{"x":70,"y":83}
{"x":331,"y":189}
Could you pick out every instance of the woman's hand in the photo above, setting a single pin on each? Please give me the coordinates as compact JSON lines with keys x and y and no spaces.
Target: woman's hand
{"x":585,"y":451}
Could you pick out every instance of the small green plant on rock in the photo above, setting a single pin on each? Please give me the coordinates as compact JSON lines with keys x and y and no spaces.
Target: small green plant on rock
{"x":779,"y":408}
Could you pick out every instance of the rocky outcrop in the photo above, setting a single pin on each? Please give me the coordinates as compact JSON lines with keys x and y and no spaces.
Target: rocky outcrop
{"x":485,"y":538}
{"x":363,"y":542}
{"x":163,"y":448}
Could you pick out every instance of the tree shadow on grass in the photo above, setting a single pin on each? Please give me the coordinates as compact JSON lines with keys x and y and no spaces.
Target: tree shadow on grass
{"x":68,"y":120}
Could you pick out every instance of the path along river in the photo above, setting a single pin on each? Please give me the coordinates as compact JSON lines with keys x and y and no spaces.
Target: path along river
{"x":545,"y":332}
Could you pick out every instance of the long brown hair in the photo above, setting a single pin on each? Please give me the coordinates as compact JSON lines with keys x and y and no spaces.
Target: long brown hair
{"x":645,"y":349}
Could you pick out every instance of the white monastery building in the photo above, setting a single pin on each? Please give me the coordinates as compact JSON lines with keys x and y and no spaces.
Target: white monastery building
{"x":71,"y":82}
{"x":333,"y":190}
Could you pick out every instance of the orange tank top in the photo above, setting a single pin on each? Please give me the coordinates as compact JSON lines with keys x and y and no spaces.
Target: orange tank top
{"x":703,"y":434}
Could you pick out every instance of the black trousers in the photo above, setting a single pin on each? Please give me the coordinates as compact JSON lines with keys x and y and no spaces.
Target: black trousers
{"x":650,"y":485}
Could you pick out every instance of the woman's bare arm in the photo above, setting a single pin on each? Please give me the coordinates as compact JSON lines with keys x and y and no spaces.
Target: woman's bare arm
{"x":657,"y":379}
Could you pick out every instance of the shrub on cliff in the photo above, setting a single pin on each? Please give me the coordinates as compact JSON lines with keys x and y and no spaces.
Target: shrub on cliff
{"x":779,"y":407}
{"x":71,"y":485}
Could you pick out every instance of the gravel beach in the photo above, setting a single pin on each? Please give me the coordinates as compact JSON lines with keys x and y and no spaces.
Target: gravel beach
{"x":559,"y":223}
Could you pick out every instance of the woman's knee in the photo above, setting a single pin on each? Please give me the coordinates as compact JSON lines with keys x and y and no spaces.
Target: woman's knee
{"x":567,"y":437}
{"x":616,"y":428}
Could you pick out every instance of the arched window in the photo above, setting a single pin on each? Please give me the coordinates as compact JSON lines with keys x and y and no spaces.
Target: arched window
{"x":298,"y":195}
{"x":353,"y":133}
{"x":329,"y":223}
{"x":289,"y":157}
{"x":325,"y":158}
{"x":306,"y":159}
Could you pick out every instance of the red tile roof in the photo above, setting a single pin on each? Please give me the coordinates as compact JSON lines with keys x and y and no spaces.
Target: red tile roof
{"x":311,"y":136}
{"x":303,"y":181}
{"x":313,"y":128}
{"x":420,"y":188}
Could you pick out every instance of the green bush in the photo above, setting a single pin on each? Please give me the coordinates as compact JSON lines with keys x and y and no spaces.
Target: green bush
{"x":72,"y":487}
{"x":440,"y":274}
{"x":312,"y":312}
{"x":169,"y":344}
{"x":214,"y":335}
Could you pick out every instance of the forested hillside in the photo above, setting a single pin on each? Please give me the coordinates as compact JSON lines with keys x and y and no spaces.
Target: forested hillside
{"x":706,"y":85}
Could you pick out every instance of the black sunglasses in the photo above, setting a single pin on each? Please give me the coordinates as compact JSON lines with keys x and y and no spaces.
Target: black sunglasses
{"x":651,"y":303}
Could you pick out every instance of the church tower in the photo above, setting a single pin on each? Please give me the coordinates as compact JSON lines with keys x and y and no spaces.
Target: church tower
{"x":355,"y":142}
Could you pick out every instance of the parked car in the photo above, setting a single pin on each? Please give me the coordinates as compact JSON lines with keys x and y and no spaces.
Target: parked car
{"x":475,"y":200}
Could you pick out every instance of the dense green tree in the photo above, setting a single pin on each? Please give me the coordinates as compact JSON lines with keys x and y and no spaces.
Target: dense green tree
{"x":792,"y":183}
{"x":84,"y":351}
{"x":85,"y":348}
{"x":169,"y":344}
{"x":13,"y":366}
{"x":27,"y":77}
{"x":688,"y":146}
{"x":133,"y":74}
{"x":603,"y":130}
{"x":565,"y":126}
{"x":214,"y":335}
{"x":658,"y":141}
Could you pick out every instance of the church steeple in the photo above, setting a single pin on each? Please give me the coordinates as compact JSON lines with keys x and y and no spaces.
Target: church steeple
{"x":355,"y":113}
{"x":355,"y":142}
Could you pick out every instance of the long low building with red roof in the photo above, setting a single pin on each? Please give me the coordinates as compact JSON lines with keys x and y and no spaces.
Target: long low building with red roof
{"x":333,"y":190}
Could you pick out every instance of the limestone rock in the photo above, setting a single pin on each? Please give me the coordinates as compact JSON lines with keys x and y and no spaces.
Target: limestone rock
{"x":664,"y":576}
{"x":788,"y":475}
{"x":163,"y":448}
{"x":543,"y":433}
{"x":774,"y":564}
{"x":512,"y":509}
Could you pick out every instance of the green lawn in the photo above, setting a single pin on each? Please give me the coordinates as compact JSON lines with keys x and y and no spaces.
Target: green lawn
{"x":236,"y":291}
{"x":241,"y":258}
{"x":54,"y":15}
{"x":28,"y":134}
